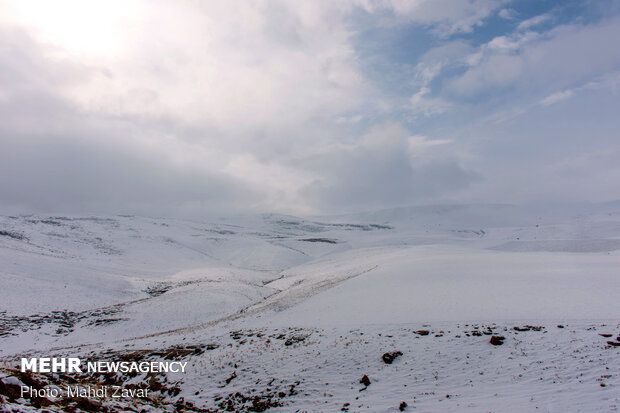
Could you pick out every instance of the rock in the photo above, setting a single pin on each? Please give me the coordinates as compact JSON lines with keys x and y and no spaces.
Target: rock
{"x":402,"y":406}
{"x":560,"y":326}
{"x":89,"y":405}
{"x":497,"y":340}
{"x":365,"y":381}
{"x":422,"y":332}
{"x":231,"y":378}
{"x":605,"y":335}
{"x":388,"y":358}
{"x":614,"y":343}
{"x":11,"y":387}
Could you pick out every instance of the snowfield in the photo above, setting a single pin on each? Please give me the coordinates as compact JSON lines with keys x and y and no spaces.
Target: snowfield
{"x":281,"y":313}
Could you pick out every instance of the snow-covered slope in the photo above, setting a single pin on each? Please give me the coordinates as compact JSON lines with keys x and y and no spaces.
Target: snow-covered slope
{"x":279,"y":301}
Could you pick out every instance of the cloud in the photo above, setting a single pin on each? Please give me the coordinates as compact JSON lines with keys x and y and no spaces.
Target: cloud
{"x":564,"y":56}
{"x":447,"y":56}
{"x":418,"y":144}
{"x":446,"y":17}
{"x":272,"y":106}
{"x":534,"y":21}
{"x":428,"y":106}
{"x":213,"y":93}
{"x":507,"y":14}
{"x":556,"y":97}
{"x":388,"y":167}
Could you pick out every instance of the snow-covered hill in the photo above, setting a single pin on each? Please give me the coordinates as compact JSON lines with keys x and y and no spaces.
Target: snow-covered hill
{"x":289,"y":313}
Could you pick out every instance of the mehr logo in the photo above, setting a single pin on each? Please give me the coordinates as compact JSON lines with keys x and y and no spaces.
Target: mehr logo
{"x":73,"y":365}
{"x":51,"y":365}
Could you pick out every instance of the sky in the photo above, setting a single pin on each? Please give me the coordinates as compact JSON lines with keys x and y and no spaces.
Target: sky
{"x":306,"y":107}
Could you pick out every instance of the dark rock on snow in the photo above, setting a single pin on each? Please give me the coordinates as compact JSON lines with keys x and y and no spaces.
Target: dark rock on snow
{"x":388,"y":358}
{"x":497,"y":340}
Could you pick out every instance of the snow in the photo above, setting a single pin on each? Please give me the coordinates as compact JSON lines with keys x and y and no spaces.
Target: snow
{"x":314,"y":302}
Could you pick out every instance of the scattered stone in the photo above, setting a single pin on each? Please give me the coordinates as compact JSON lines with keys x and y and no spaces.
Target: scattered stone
{"x":365,"y":381}
{"x":605,"y":335}
{"x":388,"y":358}
{"x":231,"y":378}
{"x":11,"y":387}
{"x":497,"y":340}
{"x":422,"y":332}
{"x":295,"y":339}
{"x":402,"y":406}
{"x":614,"y":343}
{"x":560,"y":326}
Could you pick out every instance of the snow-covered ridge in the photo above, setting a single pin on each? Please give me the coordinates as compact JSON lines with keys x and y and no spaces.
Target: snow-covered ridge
{"x":79,"y":283}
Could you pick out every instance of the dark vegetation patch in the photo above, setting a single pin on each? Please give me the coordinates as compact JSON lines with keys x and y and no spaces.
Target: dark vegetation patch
{"x":239,"y":402}
{"x":316,"y":226}
{"x":290,"y":336}
{"x":160,"y":288}
{"x":65,"y":321}
{"x":325,"y":240}
{"x":14,"y":235}
{"x":362,"y":227}
{"x":221,"y":231}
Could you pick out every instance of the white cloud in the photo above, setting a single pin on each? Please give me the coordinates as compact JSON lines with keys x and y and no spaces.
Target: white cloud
{"x":447,"y":17}
{"x":422,"y":103}
{"x":556,"y":97}
{"x":558,"y":59}
{"x":533,"y":22}
{"x":419,"y":144}
{"x":507,"y":14}
{"x":229,"y":65}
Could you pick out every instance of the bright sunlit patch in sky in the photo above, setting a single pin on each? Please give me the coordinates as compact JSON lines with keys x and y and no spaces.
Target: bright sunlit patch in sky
{"x":90,"y":28}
